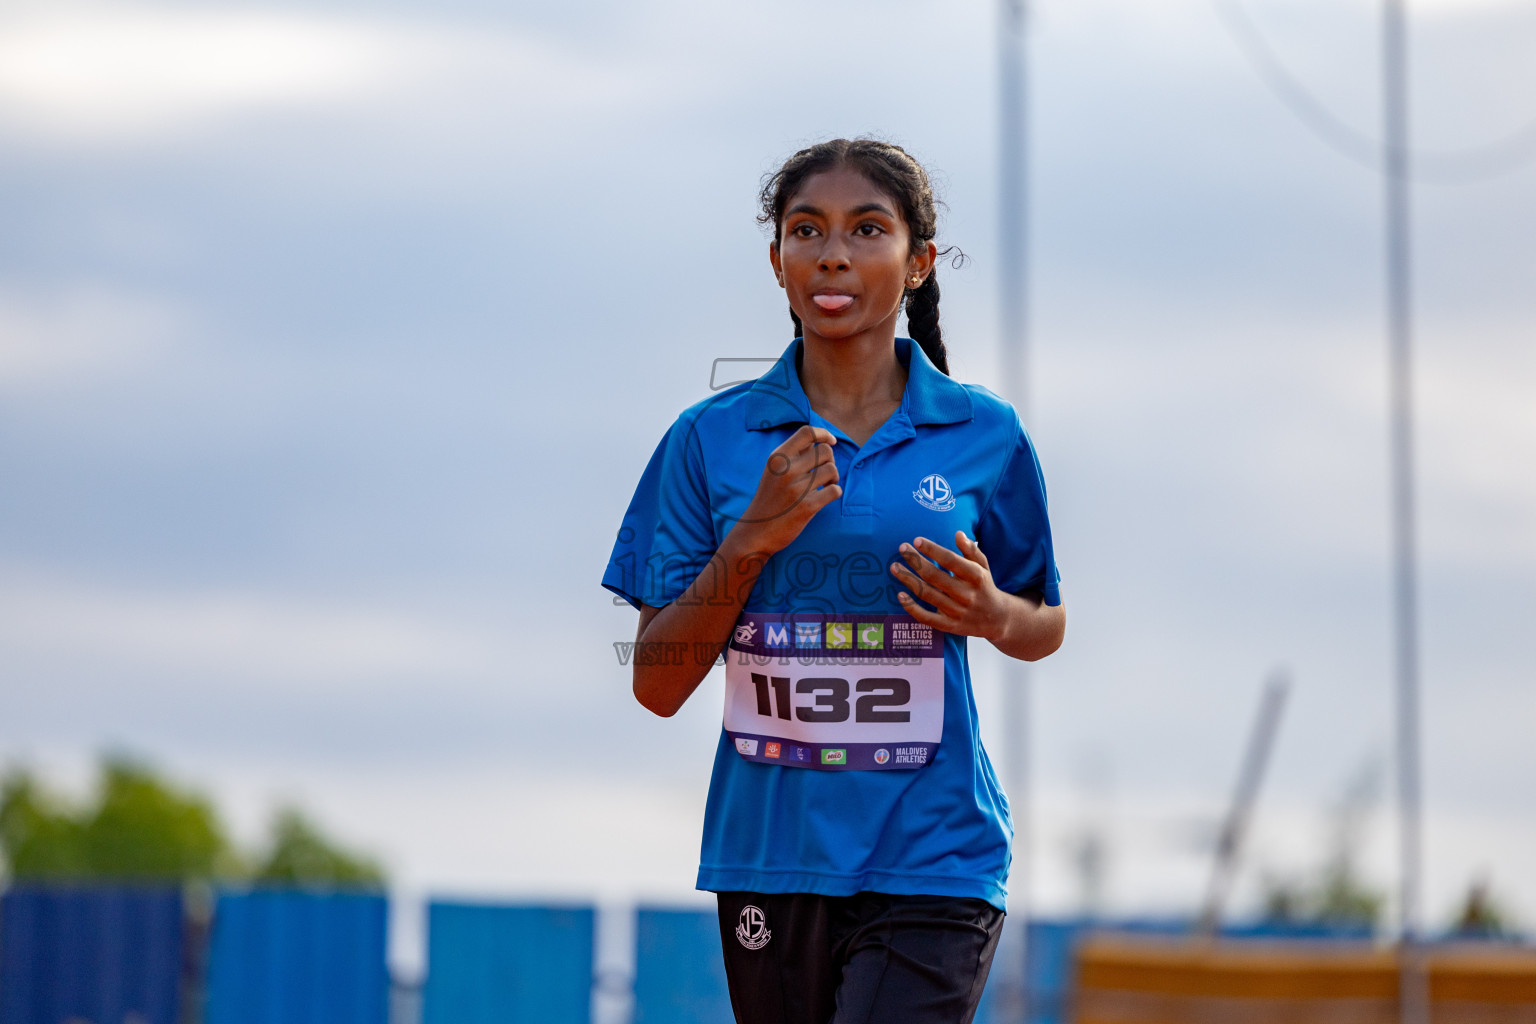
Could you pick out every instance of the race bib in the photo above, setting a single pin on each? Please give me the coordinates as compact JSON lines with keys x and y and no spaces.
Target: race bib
{"x":836,"y":692}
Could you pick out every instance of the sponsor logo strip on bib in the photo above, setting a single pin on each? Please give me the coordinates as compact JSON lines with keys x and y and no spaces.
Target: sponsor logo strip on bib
{"x":835,"y":692}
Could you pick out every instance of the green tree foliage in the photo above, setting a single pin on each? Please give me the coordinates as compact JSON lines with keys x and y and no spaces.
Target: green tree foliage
{"x":143,"y":828}
{"x":300,"y":855}
{"x":1344,"y":898}
{"x":1336,"y":897}
{"x":140,"y":828}
{"x":37,"y":837}
{"x":1482,"y":916}
{"x":1337,"y":894}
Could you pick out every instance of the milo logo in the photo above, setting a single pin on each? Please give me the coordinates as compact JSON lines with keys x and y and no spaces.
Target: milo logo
{"x":839,"y":756}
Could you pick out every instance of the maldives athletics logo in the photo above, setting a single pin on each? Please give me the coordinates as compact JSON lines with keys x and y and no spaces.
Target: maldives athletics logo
{"x":752,"y":927}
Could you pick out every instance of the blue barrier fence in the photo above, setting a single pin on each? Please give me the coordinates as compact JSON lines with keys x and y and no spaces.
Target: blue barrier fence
{"x":72,"y":953}
{"x":502,"y":964}
{"x":679,"y":974}
{"x":110,"y":955}
{"x":280,"y":957}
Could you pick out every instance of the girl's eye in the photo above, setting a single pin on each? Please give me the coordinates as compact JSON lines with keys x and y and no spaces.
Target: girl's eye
{"x":802,"y":231}
{"x":868,"y":230}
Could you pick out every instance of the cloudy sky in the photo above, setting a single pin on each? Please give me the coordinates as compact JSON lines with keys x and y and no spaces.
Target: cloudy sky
{"x":333,"y":338}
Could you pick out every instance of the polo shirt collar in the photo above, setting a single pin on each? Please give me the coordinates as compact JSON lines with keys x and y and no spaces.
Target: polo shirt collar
{"x":776,"y":398}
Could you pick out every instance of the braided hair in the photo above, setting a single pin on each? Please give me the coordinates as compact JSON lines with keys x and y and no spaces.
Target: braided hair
{"x":894,"y":171}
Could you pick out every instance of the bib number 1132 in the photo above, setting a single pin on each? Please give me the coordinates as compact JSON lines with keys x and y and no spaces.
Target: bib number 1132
{"x":830,"y":698}
{"x":835,"y":692}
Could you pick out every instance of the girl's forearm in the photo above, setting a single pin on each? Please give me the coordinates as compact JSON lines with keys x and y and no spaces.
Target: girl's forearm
{"x":1031,"y":628}
{"x":679,"y":644}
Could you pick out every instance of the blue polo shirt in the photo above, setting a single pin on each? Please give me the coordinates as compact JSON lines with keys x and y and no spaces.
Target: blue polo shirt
{"x":952,"y":457}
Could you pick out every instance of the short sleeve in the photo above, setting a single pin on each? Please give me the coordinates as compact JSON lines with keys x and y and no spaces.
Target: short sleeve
{"x":1014,"y":531}
{"x":667,"y":536}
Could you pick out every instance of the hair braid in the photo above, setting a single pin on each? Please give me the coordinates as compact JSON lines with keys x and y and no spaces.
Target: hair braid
{"x":922,"y":305}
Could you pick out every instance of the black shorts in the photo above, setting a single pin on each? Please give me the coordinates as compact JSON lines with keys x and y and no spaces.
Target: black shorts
{"x":872,"y":958}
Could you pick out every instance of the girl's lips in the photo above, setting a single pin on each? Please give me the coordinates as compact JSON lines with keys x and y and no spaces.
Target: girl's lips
{"x":832,"y":303}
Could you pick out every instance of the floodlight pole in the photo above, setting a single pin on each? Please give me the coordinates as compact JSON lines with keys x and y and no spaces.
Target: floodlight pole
{"x":1013,"y":337}
{"x":1413,"y":989}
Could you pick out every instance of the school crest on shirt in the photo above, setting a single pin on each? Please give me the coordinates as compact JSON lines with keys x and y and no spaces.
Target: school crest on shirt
{"x":752,"y":927}
{"x":934,"y":493}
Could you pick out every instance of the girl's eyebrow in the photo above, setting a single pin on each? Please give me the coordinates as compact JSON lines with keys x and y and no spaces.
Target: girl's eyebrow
{"x":871,"y":208}
{"x":857,"y":211}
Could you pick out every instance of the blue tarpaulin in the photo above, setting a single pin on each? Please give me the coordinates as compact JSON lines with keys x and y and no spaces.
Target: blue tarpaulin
{"x":284,"y":957}
{"x":1048,"y":968}
{"x":100,"y":954}
{"x":491,"y":964}
{"x":679,"y":976}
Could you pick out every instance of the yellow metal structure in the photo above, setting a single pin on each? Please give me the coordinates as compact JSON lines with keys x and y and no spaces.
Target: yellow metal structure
{"x":1138,"y":980}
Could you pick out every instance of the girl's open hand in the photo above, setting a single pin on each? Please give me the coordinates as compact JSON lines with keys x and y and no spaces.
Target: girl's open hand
{"x":965,"y":599}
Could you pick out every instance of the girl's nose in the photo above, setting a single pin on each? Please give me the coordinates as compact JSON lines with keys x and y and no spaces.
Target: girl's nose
{"x":834,"y":257}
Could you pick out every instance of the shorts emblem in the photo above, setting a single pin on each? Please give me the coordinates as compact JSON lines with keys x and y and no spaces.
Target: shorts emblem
{"x":752,"y":927}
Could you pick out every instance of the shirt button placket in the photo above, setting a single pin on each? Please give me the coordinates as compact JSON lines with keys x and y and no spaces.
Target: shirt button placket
{"x":856,"y":493}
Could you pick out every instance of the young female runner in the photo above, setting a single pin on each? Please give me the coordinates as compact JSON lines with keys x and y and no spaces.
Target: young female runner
{"x":855,"y":832}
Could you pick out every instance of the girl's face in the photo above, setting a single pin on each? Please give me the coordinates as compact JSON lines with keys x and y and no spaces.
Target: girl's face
{"x":844,"y":255}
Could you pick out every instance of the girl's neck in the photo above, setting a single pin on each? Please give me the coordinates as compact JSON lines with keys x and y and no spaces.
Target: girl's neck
{"x":854,"y":383}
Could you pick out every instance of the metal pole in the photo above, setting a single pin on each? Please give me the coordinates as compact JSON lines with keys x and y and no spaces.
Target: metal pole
{"x":1229,"y":844}
{"x":1413,"y":994}
{"x":1013,"y":326}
